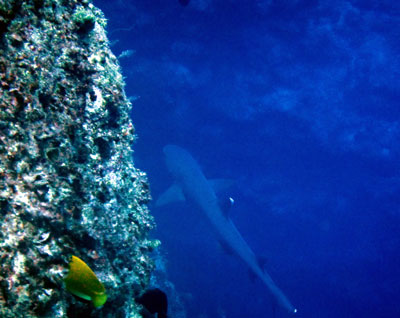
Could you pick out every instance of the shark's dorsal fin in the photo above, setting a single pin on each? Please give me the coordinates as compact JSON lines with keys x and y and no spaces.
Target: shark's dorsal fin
{"x":220,"y":185}
{"x":172,"y":194}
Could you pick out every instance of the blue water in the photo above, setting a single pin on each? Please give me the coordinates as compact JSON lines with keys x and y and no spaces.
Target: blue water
{"x":298,"y":101}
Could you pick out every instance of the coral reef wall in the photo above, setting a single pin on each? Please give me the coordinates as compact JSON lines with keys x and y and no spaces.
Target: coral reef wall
{"x":67,"y":182}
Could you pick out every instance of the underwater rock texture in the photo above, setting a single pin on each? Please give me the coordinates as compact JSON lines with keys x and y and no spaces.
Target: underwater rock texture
{"x":67,"y":182}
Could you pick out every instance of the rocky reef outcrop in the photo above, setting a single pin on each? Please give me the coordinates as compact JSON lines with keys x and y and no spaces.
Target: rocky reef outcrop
{"x":68,"y":185}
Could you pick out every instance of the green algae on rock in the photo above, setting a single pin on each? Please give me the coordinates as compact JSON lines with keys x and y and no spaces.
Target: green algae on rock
{"x":67,"y":181}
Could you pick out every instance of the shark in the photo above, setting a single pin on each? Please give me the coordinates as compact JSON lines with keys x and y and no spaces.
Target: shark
{"x":191,"y":185}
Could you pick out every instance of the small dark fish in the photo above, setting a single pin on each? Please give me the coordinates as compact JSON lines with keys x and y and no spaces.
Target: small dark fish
{"x":155,"y":301}
{"x":184,"y":2}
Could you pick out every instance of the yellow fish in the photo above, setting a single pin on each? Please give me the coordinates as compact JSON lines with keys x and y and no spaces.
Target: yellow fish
{"x":82,"y":282}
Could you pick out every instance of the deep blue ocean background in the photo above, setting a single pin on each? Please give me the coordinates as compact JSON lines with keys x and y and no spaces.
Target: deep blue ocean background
{"x":299,"y":102}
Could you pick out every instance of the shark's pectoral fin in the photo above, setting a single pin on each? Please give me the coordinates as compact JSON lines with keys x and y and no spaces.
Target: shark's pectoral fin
{"x":172,"y":194}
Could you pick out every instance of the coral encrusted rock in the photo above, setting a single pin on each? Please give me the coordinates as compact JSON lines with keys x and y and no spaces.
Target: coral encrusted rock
{"x":68,"y":185}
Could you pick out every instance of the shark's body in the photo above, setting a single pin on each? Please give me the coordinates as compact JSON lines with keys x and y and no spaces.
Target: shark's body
{"x":195,"y":187}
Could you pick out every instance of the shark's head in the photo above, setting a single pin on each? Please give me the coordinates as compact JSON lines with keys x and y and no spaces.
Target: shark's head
{"x":173,"y":152}
{"x":175,"y":156}
{"x":179,"y":162}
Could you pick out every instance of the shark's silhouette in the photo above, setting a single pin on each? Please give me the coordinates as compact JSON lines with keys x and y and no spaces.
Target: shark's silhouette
{"x":191,"y":184}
